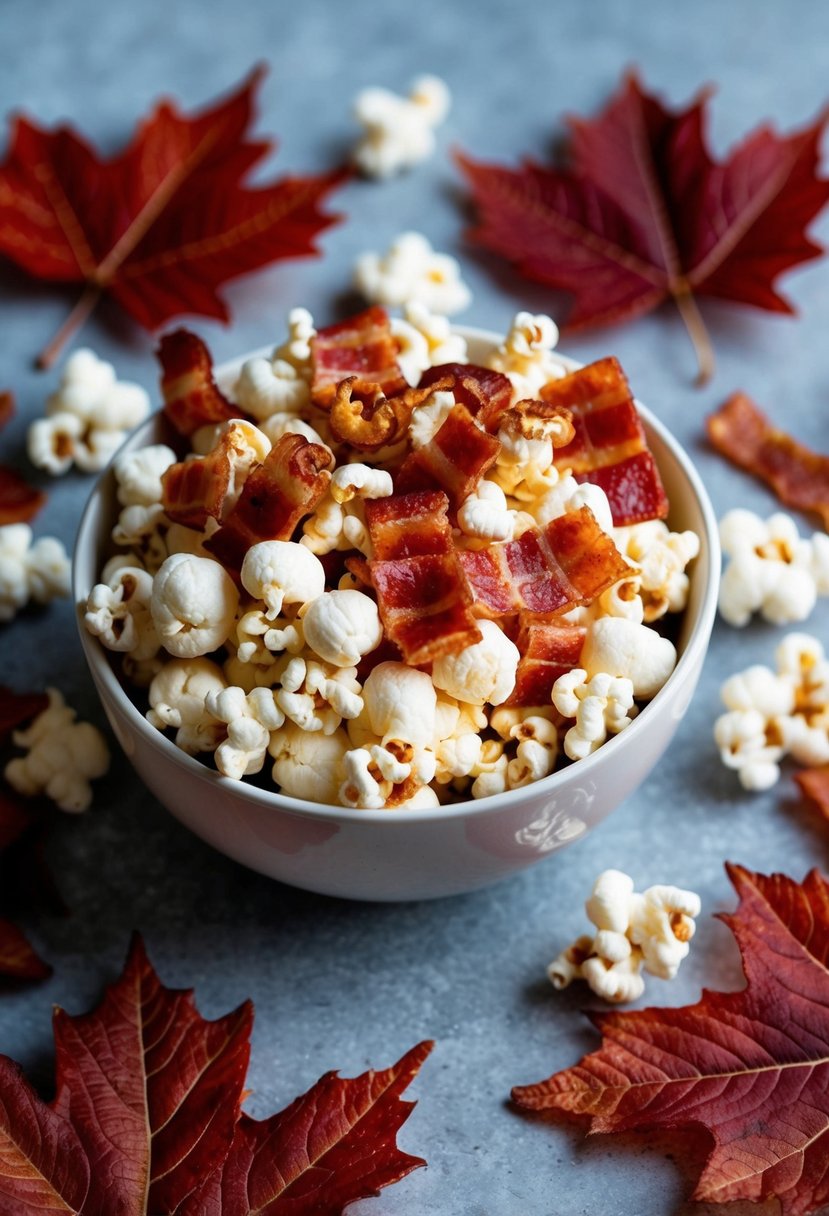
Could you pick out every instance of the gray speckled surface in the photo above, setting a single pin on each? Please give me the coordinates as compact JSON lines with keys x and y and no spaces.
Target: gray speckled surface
{"x":348,"y":985}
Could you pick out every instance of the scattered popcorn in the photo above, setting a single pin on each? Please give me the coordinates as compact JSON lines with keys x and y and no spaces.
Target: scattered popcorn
{"x":118,"y":613}
{"x":602,"y":705}
{"x":193,"y":605}
{"x":280,"y":572}
{"x":619,"y":647}
{"x":411,"y":271}
{"x":773,"y":570}
{"x":525,"y":355}
{"x":342,"y":626}
{"x":482,"y":672}
{"x":250,"y":718}
{"x":399,"y":131}
{"x":177,"y":699}
{"x":38,"y":572}
{"x":306,"y":765}
{"x":424,"y":340}
{"x":280,"y":385}
{"x":62,"y":757}
{"x":87,"y":418}
{"x":634,"y":932}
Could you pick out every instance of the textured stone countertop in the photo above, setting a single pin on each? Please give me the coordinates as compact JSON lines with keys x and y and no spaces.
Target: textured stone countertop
{"x":348,"y":985}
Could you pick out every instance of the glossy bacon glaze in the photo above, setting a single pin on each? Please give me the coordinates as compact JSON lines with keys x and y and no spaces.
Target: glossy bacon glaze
{"x":192,"y":398}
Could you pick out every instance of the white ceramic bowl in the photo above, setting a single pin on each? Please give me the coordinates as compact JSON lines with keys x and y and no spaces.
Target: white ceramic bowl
{"x":408,"y":854}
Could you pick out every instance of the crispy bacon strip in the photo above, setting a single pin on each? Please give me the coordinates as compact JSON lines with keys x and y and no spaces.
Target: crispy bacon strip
{"x":745,"y":436}
{"x":546,"y":570}
{"x":814,"y":784}
{"x":609,"y":447}
{"x":455,"y":459}
{"x":548,"y":650}
{"x":424,"y":600}
{"x":287,"y":485}
{"x":205,"y":487}
{"x":191,"y":397}
{"x":484,"y":392}
{"x":361,"y":346}
{"x":369,"y":420}
{"x":19,"y":501}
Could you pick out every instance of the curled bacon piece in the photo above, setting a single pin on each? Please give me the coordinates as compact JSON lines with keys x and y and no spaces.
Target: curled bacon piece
{"x":609,"y":447}
{"x":287,"y":485}
{"x":546,"y":570}
{"x":484,"y":392}
{"x":191,"y":396}
{"x":455,"y":459}
{"x":548,"y":650}
{"x":423,"y":597}
{"x":746,"y":437}
{"x":368,"y":420}
{"x":361,"y":346}
{"x":205,"y":487}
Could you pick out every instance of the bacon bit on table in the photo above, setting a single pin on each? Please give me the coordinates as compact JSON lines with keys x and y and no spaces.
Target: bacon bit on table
{"x":361,"y":346}
{"x":814,"y":784}
{"x":745,"y":436}
{"x":192,"y":398}
{"x":609,"y":448}
{"x":548,"y":650}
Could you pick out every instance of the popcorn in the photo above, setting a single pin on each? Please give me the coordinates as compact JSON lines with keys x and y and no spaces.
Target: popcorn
{"x":398,"y":130}
{"x":118,"y":614}
{"x":429,"y":417}
{"x":193,"y":605}
{"x":569,"y":495}
{"x":336,"y":526}
{"x":250,"y":718}
{"x":308,"y":765}
{"x":601,"y":704}
{"x":401,"y":703}
{"x":62,"y":757}
{"x":317,"y":696}
{"x":773,"y":570}
{"x":342,"y":626}
{"x":374,"y":775}
{"x":619,"y":647}
{"x":425,"y":340}
{"x":360,"y":481}
{"x":411,"y":271}
{"x":38,"y":571}
{"x":259,"y":638}
{"x":525,"y":356}
{"x":139,"y":474}
{"x":281,"y":572}
{"x":660,"y":558}
{"x":634,"y":932}
{"x":87,"y":418}
{"x":177,"y":699}
{"x":485,"y":515}
{"x":482,"y":672}
{"x":458,"y":746}
{"x":267,"y":388}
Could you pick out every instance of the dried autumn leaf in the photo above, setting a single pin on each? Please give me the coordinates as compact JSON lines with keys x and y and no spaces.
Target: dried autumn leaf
{"x":161,"y":225}
{"x":750,"y":1067}
{"x":147,"y":1119}
{"x":18,"y":500}
{"x":643,"y":213}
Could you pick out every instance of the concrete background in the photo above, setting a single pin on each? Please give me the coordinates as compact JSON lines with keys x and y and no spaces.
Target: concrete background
{"x":344,"y":985}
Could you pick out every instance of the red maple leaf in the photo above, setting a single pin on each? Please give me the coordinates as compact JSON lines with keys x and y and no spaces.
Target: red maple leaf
{"x":750,"y":1067}
{"x":643,"y":213}
{"x":147,"y":1119}
{"x":162,"y":224}
{"x":18,"y":500}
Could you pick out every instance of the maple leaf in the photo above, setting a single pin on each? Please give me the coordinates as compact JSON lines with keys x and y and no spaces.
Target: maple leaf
{"x":750,"y":1067}
{"x":18,"y":500}
{"x":643,"y":213}
{"x":162,"y":224}
{"x":147,"y":1119}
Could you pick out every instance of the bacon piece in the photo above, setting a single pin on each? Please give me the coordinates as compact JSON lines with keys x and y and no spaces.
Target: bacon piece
{"x":7,"y":407}
{"x":455,"y":459}
{"x":814,"y":784}
{"x":745,"y":436}
{"x":547,"y":570}
{"x":361,"y":346}
{"x":19,"y":501}
{"x":287,"y":485}
{"x":484,"y":392}
{"x":609,"y":447}
{"x":368,"y":420}
{"x":206,"y":487}
{"x":191,"y":396}
{"x":423,"y":597}
{"x":548,"y":650}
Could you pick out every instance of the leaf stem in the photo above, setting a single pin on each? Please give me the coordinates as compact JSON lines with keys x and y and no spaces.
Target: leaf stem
{"x":697,"y":332}
{"x":75,"y":320}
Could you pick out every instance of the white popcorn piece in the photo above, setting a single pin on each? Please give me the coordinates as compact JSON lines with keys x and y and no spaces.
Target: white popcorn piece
{"x":748,"y":745}
{"x":260,"y":639}
{"x":371,"y":774}
{"x":87,"y":418}
{"x":490,"y":772}
{"x":601,"y":704}
{"x":360,"y":481}
{"x":279,"y":385}
{"x":291,"y":424}
{"x":398,"y":131}
{"x":177,"y":699}
{"x":411,"y":270}
{"x":139,"y":524}
{"x":773,"y":570}
{"x":29,"y":571}
{"x":759,"y":688}
{"x":483,"y":672}
{"x":424,"y":798}
{"x":118,"y":614}
{"x":484,"y":514}
{"x":620,"y":647}
{"x":333,"y":525}
{"x":62,"y":757}
{"x":281,"y":572}
{"x":660,"y":559}
{"x":401,"y":703}
{"x":525,"y":356}
{"x":429,"y":417}
{"x":662,"y":925}
{"x":458,"y":742}
{"x":317,"y":696}
{"x":532,"y":761}
{"x":193,"y":605}
{"x":342,"y":626}
{"x":306,"y":765}
{"x":139,"y":474}
{"x":568,"y":495}
{"x":425,"y":340}
{"x":250,"y":718}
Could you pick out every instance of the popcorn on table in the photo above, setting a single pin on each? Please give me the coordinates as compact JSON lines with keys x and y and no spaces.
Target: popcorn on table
{"x":62,"y":757}
{"x":411,"y":271}
{"x":773,"y":569}
{"x":29,"y":571}
{"x":87,"y":418}
{"x":635,"y":932}
{"x":399,"y":131}
{"x":771,"y":715}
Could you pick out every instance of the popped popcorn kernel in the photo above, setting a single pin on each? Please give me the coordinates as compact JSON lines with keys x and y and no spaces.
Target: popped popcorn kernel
{"x":411,"y":271}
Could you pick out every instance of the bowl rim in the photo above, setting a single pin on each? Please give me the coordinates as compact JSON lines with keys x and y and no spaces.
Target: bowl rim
{"x":104,"y":674}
